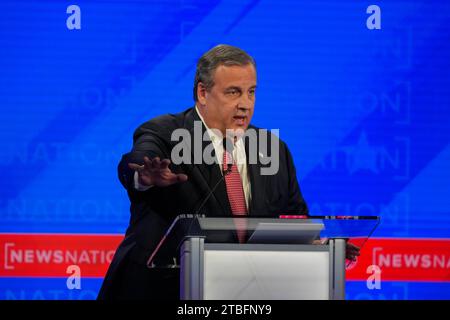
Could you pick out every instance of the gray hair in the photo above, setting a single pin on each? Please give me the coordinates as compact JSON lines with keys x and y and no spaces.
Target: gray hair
{"x":222,"y":54}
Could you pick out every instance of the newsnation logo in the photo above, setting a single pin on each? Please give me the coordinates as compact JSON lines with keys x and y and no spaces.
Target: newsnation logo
{"x":49,"y":255}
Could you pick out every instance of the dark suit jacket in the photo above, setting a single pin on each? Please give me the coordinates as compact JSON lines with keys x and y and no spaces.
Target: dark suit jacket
{"x":152,"y":211}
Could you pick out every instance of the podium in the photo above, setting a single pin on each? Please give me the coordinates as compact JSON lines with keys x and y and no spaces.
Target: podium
{"x":287,"y":258}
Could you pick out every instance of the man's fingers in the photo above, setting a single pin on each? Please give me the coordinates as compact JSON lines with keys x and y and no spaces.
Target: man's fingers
{"x":351,"y":257}
{"x":147,"y":163}
{"x":156,"y":163}
{"x":352,"y":247}
{"x":135,"y":167}
{"x":164,"y":164}
{"x":352,"y":251}
{"x":159,"y":171}
{"x":182,"y":177}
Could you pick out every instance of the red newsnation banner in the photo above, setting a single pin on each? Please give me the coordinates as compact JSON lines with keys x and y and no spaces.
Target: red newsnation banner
{"x":49,"y":255}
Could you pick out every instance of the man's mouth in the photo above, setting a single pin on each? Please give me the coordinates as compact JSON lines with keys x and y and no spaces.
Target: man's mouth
{"x":240,"y":120}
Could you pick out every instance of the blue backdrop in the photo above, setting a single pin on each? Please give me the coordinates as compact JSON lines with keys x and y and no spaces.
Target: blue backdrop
{"x":364,"y":112}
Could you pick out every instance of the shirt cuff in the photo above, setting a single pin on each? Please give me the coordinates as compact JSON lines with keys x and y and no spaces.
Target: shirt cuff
{"x":137,"y":185}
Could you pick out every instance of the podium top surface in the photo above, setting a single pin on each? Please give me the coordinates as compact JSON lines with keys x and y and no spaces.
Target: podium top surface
{"x":323,"y":226}
{"x":285,"y":229}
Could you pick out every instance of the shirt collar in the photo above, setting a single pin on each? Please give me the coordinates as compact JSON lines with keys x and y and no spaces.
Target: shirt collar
{"x":215,"y":138}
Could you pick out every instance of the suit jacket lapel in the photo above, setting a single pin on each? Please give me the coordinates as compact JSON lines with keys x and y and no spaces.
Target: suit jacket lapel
{"x":257,"y":183}
{"x":210,"y":173}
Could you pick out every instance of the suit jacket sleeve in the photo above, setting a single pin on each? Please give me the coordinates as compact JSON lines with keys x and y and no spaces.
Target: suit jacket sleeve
{"x":147,"y":141}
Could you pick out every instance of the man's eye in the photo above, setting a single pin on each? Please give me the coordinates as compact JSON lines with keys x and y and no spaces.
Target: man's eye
{"x":232,"y":92}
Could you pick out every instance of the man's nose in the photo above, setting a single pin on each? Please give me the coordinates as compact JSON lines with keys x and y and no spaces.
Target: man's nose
{"x":245,"y":103}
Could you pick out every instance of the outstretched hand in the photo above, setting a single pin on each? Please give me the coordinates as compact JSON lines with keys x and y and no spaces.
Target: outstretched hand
{"x":352,"y":251}
{"x":156,"y":172}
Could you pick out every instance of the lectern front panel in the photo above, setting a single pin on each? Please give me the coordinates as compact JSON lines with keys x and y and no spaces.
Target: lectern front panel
{"x":260,"y":273}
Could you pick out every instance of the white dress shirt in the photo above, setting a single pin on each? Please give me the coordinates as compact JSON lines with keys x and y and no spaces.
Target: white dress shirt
{"x":239,"y":157}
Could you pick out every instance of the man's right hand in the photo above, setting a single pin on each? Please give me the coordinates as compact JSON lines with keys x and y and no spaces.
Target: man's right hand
{"x":156,"y":172}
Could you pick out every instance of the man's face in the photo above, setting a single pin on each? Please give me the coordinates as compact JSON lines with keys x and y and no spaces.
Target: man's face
{"x":229,"y":103}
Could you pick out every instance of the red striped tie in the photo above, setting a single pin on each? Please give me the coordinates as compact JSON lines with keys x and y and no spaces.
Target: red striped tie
{"x":236,"y":195}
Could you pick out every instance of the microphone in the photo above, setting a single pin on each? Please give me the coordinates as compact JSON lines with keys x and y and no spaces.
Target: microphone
{"x":228,"y":146}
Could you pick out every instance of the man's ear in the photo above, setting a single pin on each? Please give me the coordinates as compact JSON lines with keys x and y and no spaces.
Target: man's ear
{"x":201,"y":94}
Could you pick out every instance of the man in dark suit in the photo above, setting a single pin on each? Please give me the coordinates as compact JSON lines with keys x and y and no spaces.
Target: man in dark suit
{"x":159,"y":189}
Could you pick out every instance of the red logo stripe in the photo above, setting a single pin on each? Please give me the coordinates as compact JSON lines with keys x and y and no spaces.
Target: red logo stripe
{"x":404,"y":260}
{"x":49,"y":255}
